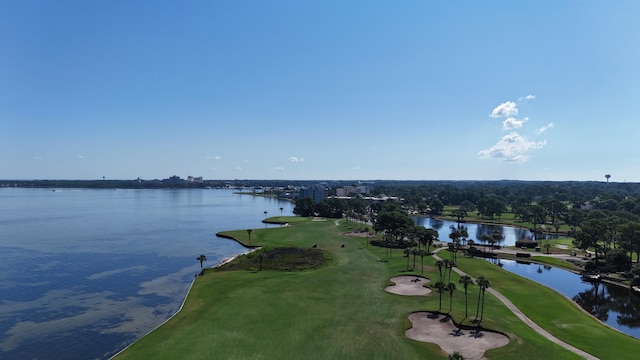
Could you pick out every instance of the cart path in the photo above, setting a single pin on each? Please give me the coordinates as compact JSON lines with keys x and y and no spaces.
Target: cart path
{"x":525,"y":319}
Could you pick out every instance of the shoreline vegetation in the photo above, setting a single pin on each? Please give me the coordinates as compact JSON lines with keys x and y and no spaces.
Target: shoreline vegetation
{"x":341,"y":309}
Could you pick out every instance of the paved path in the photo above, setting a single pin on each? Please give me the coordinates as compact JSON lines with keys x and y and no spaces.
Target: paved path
{"x":526,"y":320}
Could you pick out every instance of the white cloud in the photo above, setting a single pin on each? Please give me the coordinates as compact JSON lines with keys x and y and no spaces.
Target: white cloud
{"x":511,"y":147}
{"x":505,"y":109}
{"x":513,"y":123}
{"x":294,"y":159}
{"x":528,"y":97}
{"x":278,"y":169}
{"x":544,"y":128}
{"x":214,"y":157}
{"x":357,"y":168}
{"x":80,"y":156}
{"x":238,"y":168}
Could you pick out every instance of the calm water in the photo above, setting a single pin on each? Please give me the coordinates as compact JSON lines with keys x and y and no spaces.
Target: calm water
{"x":83,"y":273}
{"x":613,"y":305}
{"x":475,"y":231}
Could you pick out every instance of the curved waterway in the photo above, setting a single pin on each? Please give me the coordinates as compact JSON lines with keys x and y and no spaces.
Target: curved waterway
{"x":510,"y":234}
{"x":614,"y":305}
{"x":85,"y":272}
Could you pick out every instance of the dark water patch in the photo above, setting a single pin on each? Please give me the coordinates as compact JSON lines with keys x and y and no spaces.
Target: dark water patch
{"x":100,"y":345}
{"x":85,"y":273}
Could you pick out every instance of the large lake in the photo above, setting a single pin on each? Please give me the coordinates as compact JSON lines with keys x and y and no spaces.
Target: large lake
{"x":84,"y":273}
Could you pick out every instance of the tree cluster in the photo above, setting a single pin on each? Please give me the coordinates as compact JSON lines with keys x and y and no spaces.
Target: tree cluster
{"x":355,"y":208}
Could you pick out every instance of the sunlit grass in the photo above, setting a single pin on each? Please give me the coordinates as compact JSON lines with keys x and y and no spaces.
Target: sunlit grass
{"x":341,"y":310}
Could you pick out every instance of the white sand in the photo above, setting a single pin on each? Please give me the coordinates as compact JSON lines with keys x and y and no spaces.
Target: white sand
{"x":409,"y":285}
{"x":443,"y":332}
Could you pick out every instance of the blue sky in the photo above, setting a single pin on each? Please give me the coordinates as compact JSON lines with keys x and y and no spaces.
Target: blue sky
{"x":417,"y":90}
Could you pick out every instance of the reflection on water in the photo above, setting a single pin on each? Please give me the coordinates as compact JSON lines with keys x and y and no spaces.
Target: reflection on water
{"x":83,"y":273}
{"x":614,"y":305}
{"x":509,"y":234}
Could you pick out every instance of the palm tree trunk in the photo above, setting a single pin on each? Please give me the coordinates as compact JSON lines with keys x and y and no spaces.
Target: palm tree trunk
{"x":478,"y":306}
{"x":482,"y":312}
{"x":466,"y":304}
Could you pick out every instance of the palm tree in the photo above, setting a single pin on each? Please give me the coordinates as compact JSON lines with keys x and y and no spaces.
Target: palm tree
{"x":484,"y":284}
{"x":451,"y":247}
{"x":465,"y":280}
{"x":440,"y":287}
{"x":427,"y":237}
{"x":422,"y":252}
{"x":265,"y":214}
{"x":450,"y":267}
{"x":485,"y":238}
{"x":414,"y":252}
{"x":455,"y":356}
{"x":440,"y":264}
{"x":496,"y":236}
{"x":407,"y":253}
{"x":202,"y":258}
{"x":261,"y":254}
{"x":281,"y":211}
{"x":451,"y":287}
{"x":249,"y":233}
{"x":479,"y":296}
{"x":464,"y":235}
{"x":455,"y":235}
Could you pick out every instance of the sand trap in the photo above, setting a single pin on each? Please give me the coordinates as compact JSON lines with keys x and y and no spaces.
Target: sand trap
{"x":409,"y":285}
{"x":441,"y":331}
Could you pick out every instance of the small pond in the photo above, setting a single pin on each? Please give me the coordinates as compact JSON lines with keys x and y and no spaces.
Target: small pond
{"x":614,"y":305}
{"x":511,"y":234}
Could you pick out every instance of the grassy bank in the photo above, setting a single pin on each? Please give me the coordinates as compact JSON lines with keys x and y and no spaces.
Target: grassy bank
{"x":559,"y":316}
{"x":341,"y":310}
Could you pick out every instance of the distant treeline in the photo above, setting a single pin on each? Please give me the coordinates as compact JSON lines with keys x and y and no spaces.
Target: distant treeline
{"x":447,"y":191}
{"x":456,"y":192}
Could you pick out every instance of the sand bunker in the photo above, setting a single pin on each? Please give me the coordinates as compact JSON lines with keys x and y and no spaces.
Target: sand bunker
{"x":409,"y":285}
{"x":440,"y":330}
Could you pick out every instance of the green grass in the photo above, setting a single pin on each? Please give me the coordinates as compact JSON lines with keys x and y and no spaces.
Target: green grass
{"x":285,"y":219}
{"x":555,"y":262}
{"x":341,"y":310}
{"x":278,"y":259}
{"x":555,"y":313}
